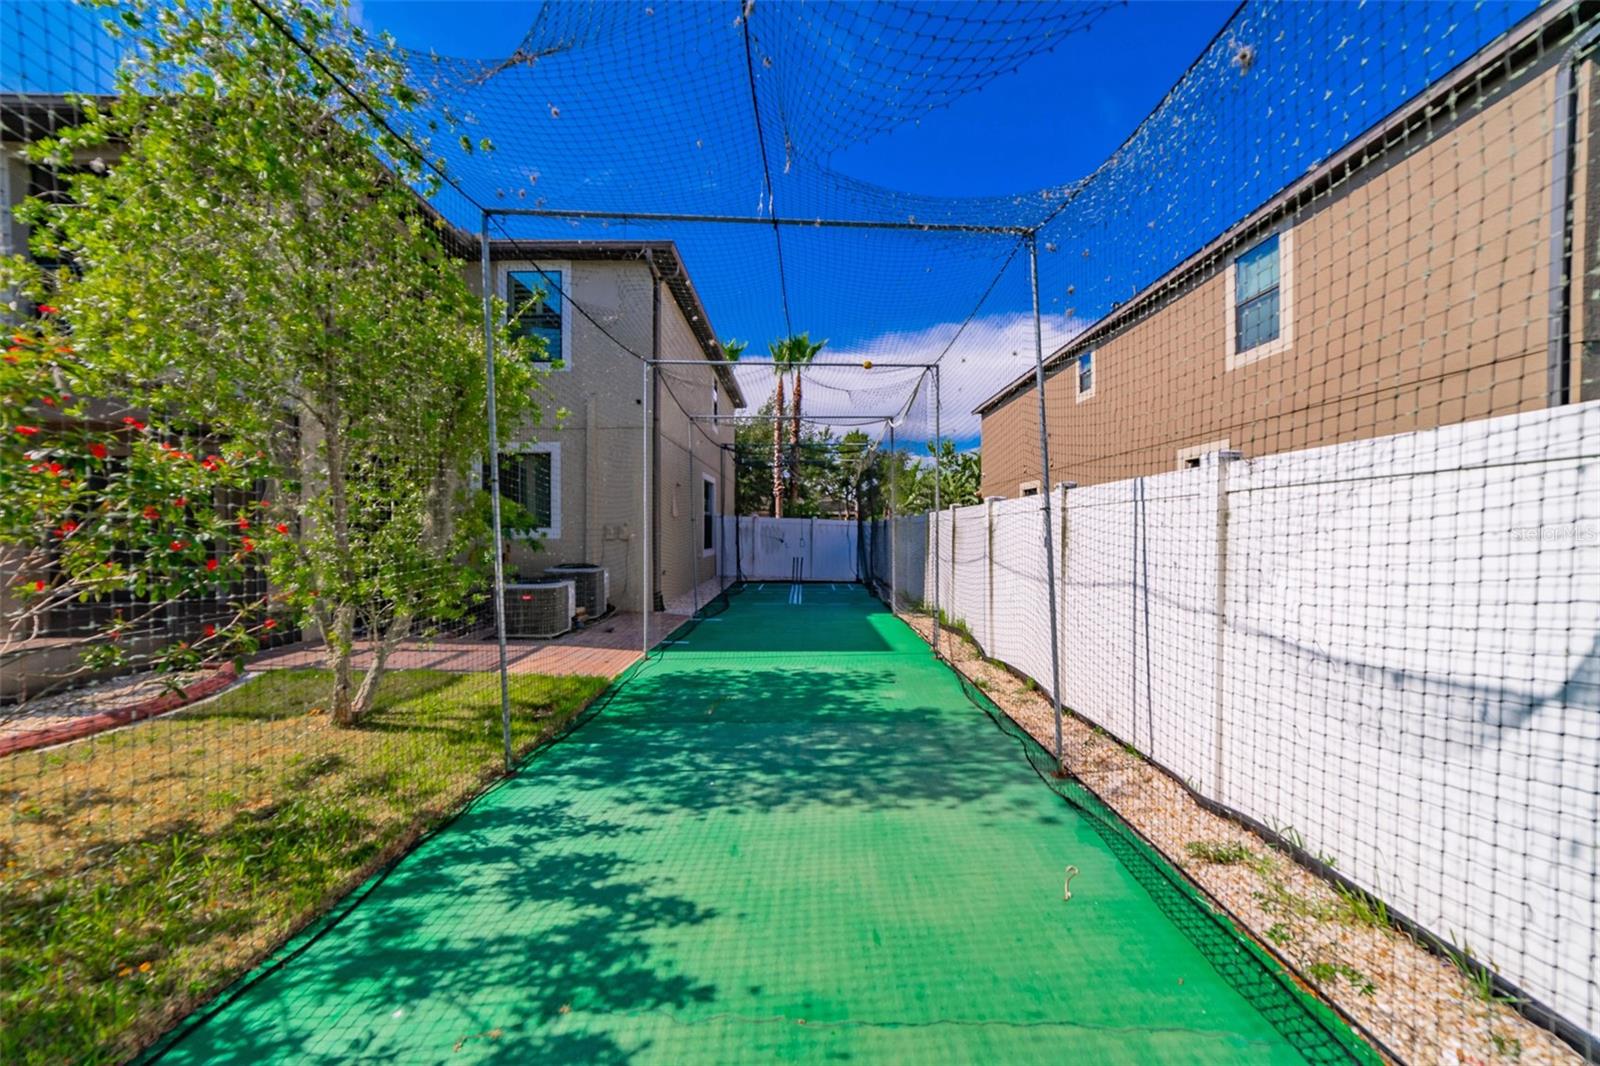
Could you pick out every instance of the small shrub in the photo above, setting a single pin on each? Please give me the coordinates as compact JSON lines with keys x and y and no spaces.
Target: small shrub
{"x":1358,"y":908}
{"x":1219,"y":853}
{"x":1326,"y":972}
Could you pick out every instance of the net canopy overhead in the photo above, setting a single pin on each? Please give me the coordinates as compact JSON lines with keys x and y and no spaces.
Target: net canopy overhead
{"x":744,"y":110}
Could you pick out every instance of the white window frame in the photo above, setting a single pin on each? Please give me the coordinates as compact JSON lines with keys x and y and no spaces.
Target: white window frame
{"x":553,"y":449}
{"x":561,"y":267}
{"x":1077,"y":375}
{"x":1285,"y":338}
{"x":716,"y":514}
{"x":1024,"y":487}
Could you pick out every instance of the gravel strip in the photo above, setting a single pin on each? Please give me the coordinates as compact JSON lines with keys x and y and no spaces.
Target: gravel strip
{"x":1419,"y":1005}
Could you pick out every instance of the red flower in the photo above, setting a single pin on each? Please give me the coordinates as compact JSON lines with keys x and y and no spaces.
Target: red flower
{"x":152,"y":512}
{"x":180,"y":502}
{"x":134,"y":422}
{"x":11,"y":359}
{"x":28,"y":431}
{"x":263,"y":504}
{"x":47,"y":401}
{"x":54,"y":468}
{"x":36,"y":468}
{"x":211,"y":462}
{"x":67,"y":528}
{"x":38,"y":586}
{"x":282,"y":527}
{"x":185,"y":455}
{"x":244,"y":523}
{"x":177,"y":545}
{"x":249,"y":545}
{"x":47,"y":309}
{"x":211,"y":564}
{"x":211,"y":631}
{"x":97,"y":450}
{"x":271,"y":623}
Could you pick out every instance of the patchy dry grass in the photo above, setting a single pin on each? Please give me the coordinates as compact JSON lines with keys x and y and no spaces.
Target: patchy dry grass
{"x":143,"y":869}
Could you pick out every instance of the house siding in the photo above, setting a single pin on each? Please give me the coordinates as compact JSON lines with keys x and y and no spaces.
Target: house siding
{"x":1421,"y":298}
{"x":593,"y":411}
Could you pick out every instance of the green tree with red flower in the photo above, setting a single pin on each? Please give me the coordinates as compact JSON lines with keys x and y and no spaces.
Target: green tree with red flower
{"x":273,"y":307}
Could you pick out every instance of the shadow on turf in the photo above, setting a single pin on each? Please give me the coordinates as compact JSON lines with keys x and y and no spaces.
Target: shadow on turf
{"x":405,"y":952}
{"x":737,"y":738}
{"x":741,"y":739}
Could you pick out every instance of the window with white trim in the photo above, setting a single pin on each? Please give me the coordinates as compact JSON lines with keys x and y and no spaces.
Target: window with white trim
{"x":1260,"y":294}
{"x":1085,"y":376}
{"x":1256,"y":296}
{"x":708,"y":514}
{"x":535,"y":306}
{"x":530,"y":477}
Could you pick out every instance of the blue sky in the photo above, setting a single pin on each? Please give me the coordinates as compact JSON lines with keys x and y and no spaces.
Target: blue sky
{"x":1060,"y":116}
{"x":652,"y":113}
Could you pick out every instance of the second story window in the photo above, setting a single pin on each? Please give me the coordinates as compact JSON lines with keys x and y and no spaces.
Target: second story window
{"x":1085,"y":376}
{"x":1257,"y":297}
{"x":533,"y":300}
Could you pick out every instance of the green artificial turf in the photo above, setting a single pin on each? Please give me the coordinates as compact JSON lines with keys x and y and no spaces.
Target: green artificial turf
{"x":790,"y":836}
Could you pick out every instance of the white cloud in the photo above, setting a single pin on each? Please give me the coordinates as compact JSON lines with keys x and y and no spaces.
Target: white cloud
{"x":974,"y":363}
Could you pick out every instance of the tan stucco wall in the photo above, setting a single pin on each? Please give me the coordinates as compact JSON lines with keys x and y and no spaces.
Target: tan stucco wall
{"x":1420,"y":298}
{"x":592,"y":410}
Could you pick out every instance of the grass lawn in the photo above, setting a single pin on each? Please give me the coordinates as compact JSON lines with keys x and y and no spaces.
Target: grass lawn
{"x":144,"y":869}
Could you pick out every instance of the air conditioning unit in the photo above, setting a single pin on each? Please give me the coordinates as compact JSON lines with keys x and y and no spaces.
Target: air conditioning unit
{"x":540,"y":608}
{"x":593,"y":583}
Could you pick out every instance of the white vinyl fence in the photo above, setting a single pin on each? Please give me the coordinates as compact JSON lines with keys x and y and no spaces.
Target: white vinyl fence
{"x":1387,"y":650}
{"x":781,"y":549}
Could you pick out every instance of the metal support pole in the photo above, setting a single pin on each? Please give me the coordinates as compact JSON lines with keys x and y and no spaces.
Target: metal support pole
{"x":694,"y":548}
{"x":494,"y":489}
{"x":893,"y":560}
{"x":1045,"y":493}
{"x":648,"y":585}
{"x":934,"y":515}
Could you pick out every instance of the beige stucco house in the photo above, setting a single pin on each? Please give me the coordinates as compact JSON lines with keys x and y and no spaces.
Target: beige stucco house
{"x":603,"y":308}
{"x":1403,"y":285}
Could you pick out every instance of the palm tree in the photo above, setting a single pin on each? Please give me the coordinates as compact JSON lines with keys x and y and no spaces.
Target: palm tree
{"x":789,"y":356}
{"x":777,"y":439}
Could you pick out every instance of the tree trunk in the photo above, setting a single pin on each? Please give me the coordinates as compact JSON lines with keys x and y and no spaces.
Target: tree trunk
{"x":777,"y":452}
{"x":340,"y":639}
{"x":398,"y":630}
{"x":794,"y":443}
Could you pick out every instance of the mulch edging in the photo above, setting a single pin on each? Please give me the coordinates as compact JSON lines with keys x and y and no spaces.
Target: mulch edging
{"x":221,"y":677}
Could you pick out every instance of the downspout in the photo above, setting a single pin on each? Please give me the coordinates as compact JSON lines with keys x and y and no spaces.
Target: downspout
{"x":1558,"y":387}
